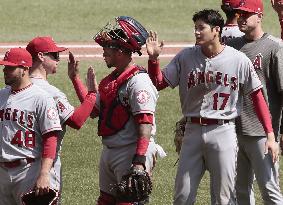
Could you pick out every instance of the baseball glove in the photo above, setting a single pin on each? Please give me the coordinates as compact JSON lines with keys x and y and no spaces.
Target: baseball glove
{"x":134,"y":187}
{"x":179,"y":134}
{"x":50,"y":198}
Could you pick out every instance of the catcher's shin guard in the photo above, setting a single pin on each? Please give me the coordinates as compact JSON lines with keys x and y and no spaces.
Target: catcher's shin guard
{"x":106,"y":199}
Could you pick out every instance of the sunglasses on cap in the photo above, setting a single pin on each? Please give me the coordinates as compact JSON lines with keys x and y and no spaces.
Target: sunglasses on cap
{"x":54,"y":55}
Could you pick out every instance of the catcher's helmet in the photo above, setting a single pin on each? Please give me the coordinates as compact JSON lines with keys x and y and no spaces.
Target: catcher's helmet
{"x":126,"y":33}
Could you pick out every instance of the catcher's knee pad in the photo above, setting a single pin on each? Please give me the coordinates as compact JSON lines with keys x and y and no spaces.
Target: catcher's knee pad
{"x":106,"y":199}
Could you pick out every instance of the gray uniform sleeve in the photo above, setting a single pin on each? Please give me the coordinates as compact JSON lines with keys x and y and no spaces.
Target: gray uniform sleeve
{"x":47,"y":115}
{"x":142,"y":94}
{"x":277,"y":69}
{"x":249,"y":78}
{"x":65,"y":109}
{"x":172,"y":71}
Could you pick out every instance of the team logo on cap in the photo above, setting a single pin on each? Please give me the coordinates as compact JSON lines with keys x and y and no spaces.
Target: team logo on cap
{"x":6,"y":55}
{"x":52,"y":113}
{"x":143,"y":96}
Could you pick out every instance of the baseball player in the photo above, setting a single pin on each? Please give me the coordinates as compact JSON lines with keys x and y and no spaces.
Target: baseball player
{"x":29,"y":124}
{"x":266,"y":53}
{"x":230,"y":29}
{"x":211,"y":79}
{"x":125,"y":105}
{"x":278,"y":7}
{"x":45,"y":54}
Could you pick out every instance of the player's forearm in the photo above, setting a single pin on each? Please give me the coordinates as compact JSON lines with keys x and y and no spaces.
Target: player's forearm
{"x":156,"y":75}
{"x":262,"y":110}
{"x":144,"y":122}
{"x":82,"y":112}
{"x":80,"y":88}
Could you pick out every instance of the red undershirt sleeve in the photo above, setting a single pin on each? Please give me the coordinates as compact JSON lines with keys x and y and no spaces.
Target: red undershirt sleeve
{"x":82,"y":112}
{"x":49,"y":144}
{"x":156,"y":75}
{"x":144,"y":118}
{"x":80,"y":89}
{"x":262,"y":110}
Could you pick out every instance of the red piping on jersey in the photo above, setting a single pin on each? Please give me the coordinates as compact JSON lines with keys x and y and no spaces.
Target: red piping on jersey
{"x":262,"y":110}
{"x":49,"y":143}
{"x":20,"y":90}
{"x":82,"y":112}
{"x":156,"y":75}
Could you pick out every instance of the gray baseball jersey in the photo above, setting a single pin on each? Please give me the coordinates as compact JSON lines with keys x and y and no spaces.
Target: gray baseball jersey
{"x":24,"y":117}
{"x":141,"y":96}
{"x":266,"y":54}
{"x":209,"y":87}
{"x":230,"y":31}
{"x":65,"y":110}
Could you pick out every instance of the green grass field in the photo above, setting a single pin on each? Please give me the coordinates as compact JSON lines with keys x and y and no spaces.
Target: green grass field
{"x":78,"y":21}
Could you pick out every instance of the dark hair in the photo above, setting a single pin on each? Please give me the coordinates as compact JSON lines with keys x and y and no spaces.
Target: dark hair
{"x":229,"y":11}
{"x":211,"y":17}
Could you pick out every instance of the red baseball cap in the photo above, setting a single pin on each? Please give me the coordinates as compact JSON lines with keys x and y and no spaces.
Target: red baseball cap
{"x":252,"y":6}
{"x":43,"y":44}
{"x":231,"y":3}
{"x":17,"y":57}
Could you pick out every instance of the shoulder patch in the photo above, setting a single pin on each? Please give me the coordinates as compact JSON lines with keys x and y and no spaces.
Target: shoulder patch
{"x":143,"y":96}
{"x":52,"y":113}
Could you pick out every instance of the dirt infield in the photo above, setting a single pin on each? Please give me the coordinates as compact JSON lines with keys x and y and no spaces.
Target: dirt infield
{"x":92,"y":50}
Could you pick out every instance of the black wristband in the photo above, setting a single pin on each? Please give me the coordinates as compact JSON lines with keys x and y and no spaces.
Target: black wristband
{"x":139,"y":159}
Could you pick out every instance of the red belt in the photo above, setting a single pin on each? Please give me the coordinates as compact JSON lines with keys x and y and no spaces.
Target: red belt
{"x":206,"y":121}
{"x":17,"y":162}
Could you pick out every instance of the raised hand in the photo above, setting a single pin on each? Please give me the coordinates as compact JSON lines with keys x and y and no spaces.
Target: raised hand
{"x":73,"y":66}
{"x":91,"y":80}
{"x":152,"y":45}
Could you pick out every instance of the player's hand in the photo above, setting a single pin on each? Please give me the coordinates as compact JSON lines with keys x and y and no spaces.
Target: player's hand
{"x":272,"y":146}
{"x":42,"y":184}
{"x":278,"y":7}
{"x":138,"y":166}
{"x":73,"y":66}
{"x":152,"y":45}
{"x":91,"y":80}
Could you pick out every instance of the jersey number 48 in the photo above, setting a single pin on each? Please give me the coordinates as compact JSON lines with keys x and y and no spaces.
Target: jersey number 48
{"x":24,"y":138}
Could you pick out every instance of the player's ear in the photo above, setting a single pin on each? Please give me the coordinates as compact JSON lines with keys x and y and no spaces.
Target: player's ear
{"x":39,"y":56}
{"x":217,"y":29}
{"x":260,"y":16}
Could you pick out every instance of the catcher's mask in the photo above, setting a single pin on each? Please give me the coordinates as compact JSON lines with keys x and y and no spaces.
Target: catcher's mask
{"x":125,"y":33}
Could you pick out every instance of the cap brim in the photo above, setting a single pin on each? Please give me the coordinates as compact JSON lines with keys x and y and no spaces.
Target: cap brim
{"x":246,"y":9}
{"x":7,"y":63}
{"x":58,"y":49}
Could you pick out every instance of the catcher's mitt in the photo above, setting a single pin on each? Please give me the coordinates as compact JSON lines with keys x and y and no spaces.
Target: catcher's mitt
{"x":50,"y":198}
{"x":134,"y":187}
{"x":179,"y":134}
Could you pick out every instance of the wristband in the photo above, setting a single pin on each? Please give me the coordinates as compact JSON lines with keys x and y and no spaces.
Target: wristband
{"x":142,"y":144}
